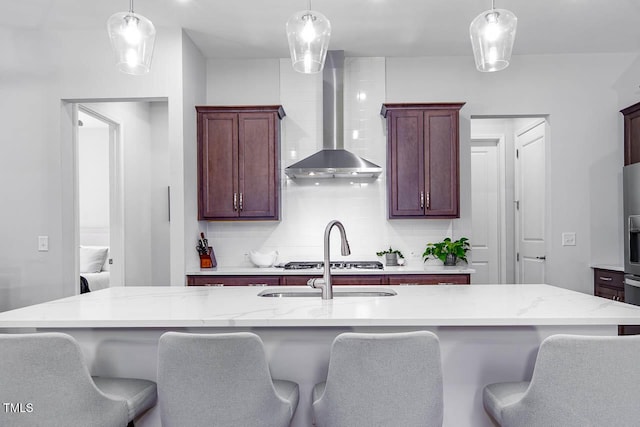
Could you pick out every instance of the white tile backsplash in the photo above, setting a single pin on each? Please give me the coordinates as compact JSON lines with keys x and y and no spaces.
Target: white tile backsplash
{"x":307,"y":205}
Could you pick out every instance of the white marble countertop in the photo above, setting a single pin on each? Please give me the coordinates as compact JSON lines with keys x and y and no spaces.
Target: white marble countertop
{"x":613,"y":267}
{"x":442,"y":305}
{"x":275,"y":271}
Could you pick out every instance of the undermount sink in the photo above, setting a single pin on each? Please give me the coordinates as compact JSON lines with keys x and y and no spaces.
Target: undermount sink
{"x":350,"y":292}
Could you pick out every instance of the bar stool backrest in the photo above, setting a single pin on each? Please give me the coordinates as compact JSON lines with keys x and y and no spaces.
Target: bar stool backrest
{"x":44,"y":381}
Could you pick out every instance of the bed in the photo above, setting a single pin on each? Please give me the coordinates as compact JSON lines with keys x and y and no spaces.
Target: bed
{"x":94,"y":268}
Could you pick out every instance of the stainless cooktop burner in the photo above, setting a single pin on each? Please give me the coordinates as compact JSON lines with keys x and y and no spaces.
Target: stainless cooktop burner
{"x":306,"y":265}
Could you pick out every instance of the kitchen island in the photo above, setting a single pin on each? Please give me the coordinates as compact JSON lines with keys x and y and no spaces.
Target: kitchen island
{"x":488,"y":333}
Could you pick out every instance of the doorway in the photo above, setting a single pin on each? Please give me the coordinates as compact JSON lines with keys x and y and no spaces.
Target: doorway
{"x":139,"y":179}
{"x":100,"y":197}
{"x":507,"y":197}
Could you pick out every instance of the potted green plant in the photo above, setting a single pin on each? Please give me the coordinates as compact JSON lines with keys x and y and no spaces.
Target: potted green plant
{"x":391,"y":256}
{"x":448,"y":251}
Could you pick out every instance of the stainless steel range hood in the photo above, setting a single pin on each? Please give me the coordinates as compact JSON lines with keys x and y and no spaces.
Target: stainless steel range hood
{"x":333,"y":161}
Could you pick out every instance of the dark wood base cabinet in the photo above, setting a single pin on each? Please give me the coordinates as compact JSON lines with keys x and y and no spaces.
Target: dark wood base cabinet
{"x":233,"y":280}
{"x":336,"y":280}
{"x":430,"y":279}
{"x":352,"y":280}
{"x":610,"y":284}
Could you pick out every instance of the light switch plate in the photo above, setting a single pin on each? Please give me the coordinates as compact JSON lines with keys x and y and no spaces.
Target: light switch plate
{"x":569,"y":239}
{"x":43,"y":243}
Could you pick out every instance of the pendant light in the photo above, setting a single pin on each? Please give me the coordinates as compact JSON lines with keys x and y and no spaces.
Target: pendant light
{"x":492,"y":35}
{"x":132,"y":39}
{"x":308,"y":33}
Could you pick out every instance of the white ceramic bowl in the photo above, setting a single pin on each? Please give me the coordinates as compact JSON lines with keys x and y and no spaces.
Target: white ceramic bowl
{"x":263,"y":260}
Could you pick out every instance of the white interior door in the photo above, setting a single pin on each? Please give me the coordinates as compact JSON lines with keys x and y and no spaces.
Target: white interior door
{"x":485,"y":205}
{"x":530,"y":204}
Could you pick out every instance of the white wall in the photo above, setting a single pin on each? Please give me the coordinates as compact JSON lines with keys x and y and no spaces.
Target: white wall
{"x":580,"y":94}
{"x":93,"y":185}
{"x":146,"y":178}
{"x":193,"y":93}
{"x":307,"y":207}
{"x":242,"y":81}
{"x":42,"y":69}
{"x":160,"y":180}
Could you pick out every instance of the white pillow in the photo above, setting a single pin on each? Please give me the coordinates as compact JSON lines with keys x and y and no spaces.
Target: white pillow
{"x":92,"y":258}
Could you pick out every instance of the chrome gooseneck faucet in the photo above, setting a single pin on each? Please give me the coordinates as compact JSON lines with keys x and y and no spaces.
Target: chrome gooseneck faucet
{"x":325,"y":283}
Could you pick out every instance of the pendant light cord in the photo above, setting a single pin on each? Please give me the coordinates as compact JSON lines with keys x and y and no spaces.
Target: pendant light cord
{"x":131,"y":6}
{"x":493,"y":4}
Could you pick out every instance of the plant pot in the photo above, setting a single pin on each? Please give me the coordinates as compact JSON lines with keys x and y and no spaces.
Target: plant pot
{"x":450,"y":260}
{"x":391,"y":259}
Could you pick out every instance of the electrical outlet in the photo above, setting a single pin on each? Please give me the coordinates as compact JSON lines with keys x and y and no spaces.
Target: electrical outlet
{"x":569,"y":239}
{"x":43,"y":243}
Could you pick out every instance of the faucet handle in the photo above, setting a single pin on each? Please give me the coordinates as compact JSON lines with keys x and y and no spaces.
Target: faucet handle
{"x":316,"y":283}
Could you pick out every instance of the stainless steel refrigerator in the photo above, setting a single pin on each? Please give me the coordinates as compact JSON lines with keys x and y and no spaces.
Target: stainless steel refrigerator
{"x":631,"y":191}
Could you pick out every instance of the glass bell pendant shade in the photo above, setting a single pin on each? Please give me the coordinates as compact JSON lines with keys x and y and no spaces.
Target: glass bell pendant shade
{"x":492,"y":35}
{"x":308,"y":33}
{"x":132,"y":39}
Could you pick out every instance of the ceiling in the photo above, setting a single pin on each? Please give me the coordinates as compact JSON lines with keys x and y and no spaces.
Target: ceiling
{"x":255,"y":28}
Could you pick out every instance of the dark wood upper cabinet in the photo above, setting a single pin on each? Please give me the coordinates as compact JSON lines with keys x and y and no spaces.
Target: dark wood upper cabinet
{"x":238,"y":162}
{"x":423,"y":160}
{"x":631,"y":134}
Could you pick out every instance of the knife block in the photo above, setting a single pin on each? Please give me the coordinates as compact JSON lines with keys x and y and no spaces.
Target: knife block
{"x":208,"y":260}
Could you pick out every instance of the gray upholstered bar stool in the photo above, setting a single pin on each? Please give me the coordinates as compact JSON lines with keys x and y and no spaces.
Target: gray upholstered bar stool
{"x":577,"y":381}
{"x":44,"y":381}
{"x":383,"y":380}
{"x":220,"y":380}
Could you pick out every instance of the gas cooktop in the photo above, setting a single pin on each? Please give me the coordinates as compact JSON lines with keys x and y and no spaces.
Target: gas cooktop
{"x":307,"y":265}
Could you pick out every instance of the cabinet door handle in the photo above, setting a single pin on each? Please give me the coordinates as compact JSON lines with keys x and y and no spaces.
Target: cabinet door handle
{"x":428,"y":200}
{"x":235,"y":201}
{"x":605,"y":279}
{"x":240,"y":201}
{"x":422,"y":200}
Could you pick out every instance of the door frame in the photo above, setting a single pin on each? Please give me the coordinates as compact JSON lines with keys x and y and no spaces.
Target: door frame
{"x":499,"y":141}
{"x":116,"y":194}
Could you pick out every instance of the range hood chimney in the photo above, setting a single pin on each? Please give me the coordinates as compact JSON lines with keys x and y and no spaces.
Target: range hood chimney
{"x":333,"y":161}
